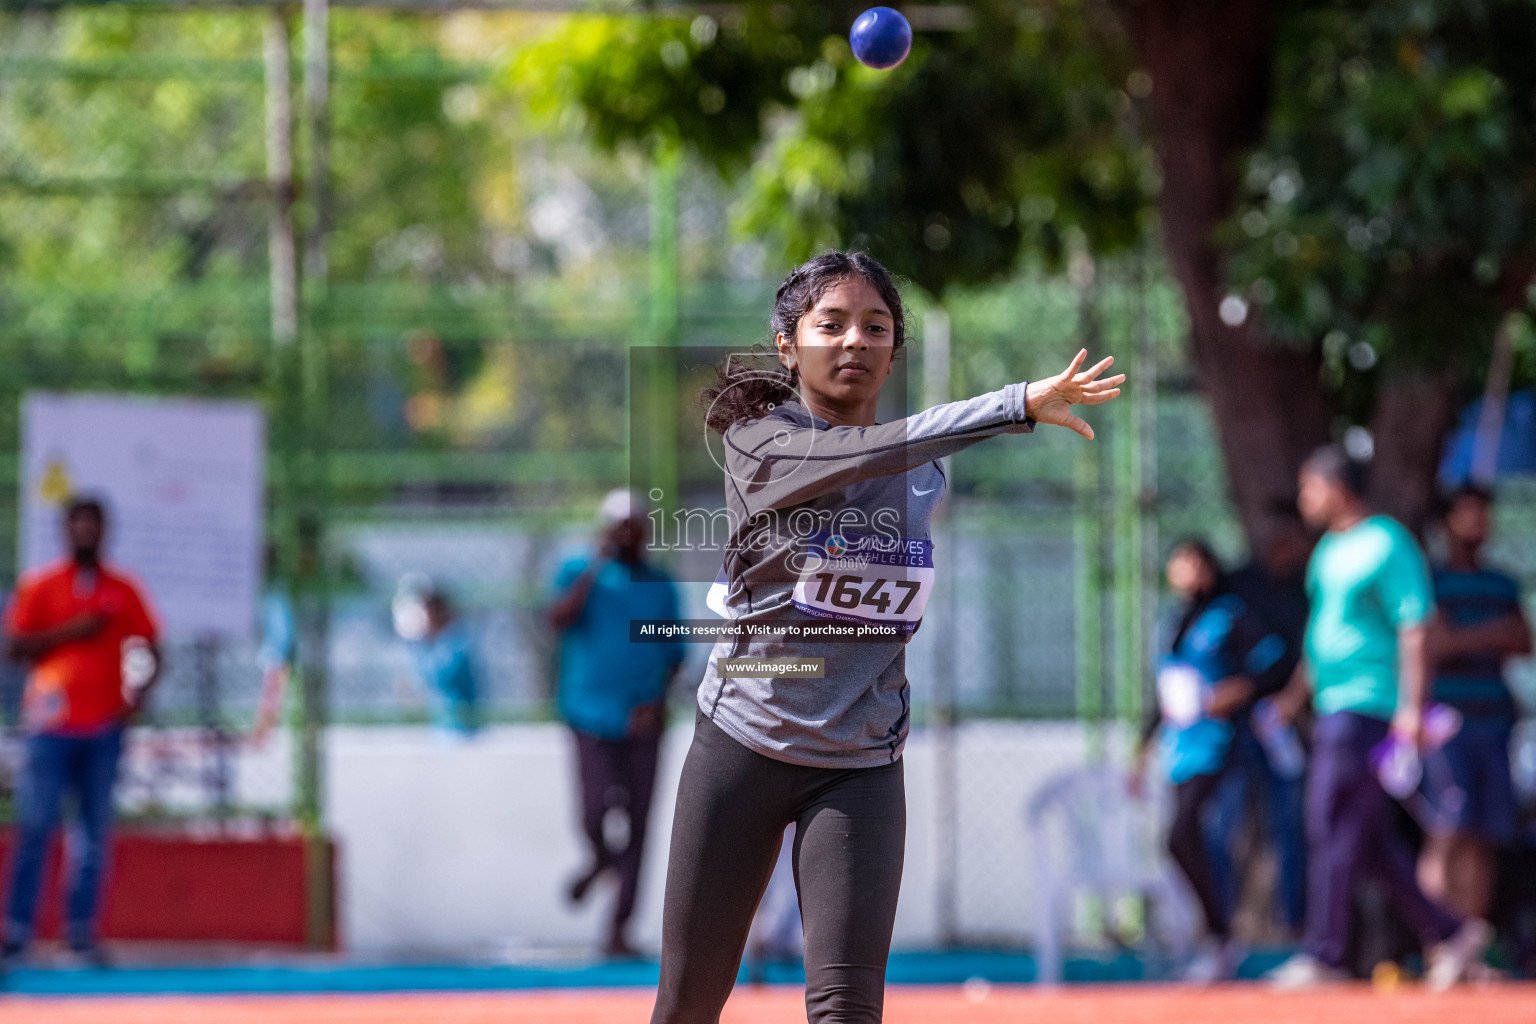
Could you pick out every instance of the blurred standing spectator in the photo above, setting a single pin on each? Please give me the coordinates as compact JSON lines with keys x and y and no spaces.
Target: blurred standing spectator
{"x":1217,"y":661}
{"x":1371,"y":600}
{"x":90,"y":638}
{"x":612,"y":693}
{"x":1274,"y":588}
{"x":275,"y":656}
{"x":445,"y":662}
{"x":1467,"y":781}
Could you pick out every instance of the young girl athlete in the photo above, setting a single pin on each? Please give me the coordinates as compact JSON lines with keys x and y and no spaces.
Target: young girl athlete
{"x":829,"y":513}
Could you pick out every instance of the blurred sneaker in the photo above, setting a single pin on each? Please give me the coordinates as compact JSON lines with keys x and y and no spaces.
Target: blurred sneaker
{"x":618,"y":948}
{"x":1304,"y":971}
{"x":90,"y":957}
{"x":1217,"y":961}
{"x":582,"y":884}
{"x":1451,"y":960}
{"x":12,"y":955}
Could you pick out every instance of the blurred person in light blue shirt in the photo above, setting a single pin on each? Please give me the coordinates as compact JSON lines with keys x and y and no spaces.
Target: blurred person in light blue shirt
{"x":612,"y":692}
{"x":445,"y":661}
{"x":278,"y":653}
{"x":442,"y":653}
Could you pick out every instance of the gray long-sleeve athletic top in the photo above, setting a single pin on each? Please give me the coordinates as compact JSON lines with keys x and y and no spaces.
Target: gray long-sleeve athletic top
{"x":831,"y":524}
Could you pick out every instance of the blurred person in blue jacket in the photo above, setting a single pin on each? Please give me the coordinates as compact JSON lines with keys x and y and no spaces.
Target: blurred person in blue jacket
{"x":612,"y":693}
{"x":1216,"y":663}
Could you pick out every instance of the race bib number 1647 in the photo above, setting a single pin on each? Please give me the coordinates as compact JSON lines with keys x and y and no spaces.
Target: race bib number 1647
{"x":860,"y":577}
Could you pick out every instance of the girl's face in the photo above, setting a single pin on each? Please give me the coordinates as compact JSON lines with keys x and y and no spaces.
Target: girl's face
{"x":844,"y":347}
{"x":1188,"y":574}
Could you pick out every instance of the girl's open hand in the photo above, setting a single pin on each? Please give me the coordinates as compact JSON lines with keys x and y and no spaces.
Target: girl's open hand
{"x":1050,"y":400}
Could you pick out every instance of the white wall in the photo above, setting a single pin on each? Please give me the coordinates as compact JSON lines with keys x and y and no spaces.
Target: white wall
{"x":464,"y":849}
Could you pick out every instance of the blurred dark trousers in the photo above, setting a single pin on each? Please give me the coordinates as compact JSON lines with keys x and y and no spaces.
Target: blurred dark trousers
{"x":85,"y":766}
{"x":1350,"y":835}
{"x":617,"y":774}
{"x":1284,"y":802}
{"x":1187,"y":842}
{"x":1250,"y":779}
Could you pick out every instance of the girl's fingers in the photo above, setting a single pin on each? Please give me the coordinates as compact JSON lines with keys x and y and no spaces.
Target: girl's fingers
{"x":1105,"y":384}
{"x":1098,"y":368}
{"x":1100,"y":397}
{"x":1074,"y":423}
{"x":1076,"y":362}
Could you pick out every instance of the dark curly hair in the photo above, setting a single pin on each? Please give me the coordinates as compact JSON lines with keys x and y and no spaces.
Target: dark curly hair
{"x":745,"y":389}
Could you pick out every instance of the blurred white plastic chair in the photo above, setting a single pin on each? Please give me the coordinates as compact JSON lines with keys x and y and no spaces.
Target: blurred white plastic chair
{"x":1090,"y":835}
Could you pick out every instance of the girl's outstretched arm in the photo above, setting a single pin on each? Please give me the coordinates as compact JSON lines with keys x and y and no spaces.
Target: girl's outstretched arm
{"x":779,"y":462}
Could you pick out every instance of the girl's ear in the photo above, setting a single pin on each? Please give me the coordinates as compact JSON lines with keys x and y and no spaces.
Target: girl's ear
{"x":786,"y":351}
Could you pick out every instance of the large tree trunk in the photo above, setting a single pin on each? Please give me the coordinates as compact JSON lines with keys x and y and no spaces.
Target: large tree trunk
{"x":1414,"y":410}
{"x":1210,"y":67}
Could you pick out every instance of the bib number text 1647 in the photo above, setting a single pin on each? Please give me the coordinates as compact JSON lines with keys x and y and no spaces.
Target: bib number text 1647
{"x":852,"y":592}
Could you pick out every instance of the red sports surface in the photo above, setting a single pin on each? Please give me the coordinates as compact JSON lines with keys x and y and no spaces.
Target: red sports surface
{"x":1353,"y":1004}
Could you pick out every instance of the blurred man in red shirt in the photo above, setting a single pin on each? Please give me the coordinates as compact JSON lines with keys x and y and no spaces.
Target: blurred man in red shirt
{"x":90,"y":640}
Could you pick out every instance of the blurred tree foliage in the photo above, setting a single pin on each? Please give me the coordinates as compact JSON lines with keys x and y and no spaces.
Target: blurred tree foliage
{"x":136,"y":146}
{"x":1388,"y":218}
{"x":1360,"y":172}
{"x":134,"y":220}
{"x":1391,"y":210}
{"x":1011,"y":134}
{"x":64,"y":132}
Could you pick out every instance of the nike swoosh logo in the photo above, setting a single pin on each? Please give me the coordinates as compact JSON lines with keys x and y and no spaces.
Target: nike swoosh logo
{"x":921,"y":493}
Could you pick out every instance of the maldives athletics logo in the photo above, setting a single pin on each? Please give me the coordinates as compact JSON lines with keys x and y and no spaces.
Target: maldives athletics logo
{"x":836,"y":546}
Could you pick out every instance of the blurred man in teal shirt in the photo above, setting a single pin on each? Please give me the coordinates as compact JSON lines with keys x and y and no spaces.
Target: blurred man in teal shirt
{"x":612,"y":692}
{"x":1371,"y":602}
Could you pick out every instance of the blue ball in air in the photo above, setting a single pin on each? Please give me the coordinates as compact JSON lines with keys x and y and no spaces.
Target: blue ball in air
{"x":881,"y":38}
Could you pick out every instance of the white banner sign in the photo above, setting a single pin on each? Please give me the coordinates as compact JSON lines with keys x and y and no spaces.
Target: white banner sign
{"x":182,"y":481}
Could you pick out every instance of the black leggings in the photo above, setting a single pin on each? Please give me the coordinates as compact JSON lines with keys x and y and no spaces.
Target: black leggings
{"x":733,"y":805}
{"x":1186,"y":841}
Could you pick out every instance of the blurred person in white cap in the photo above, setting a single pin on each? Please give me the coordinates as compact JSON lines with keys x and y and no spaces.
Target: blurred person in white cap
{"x":612,"y":692}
